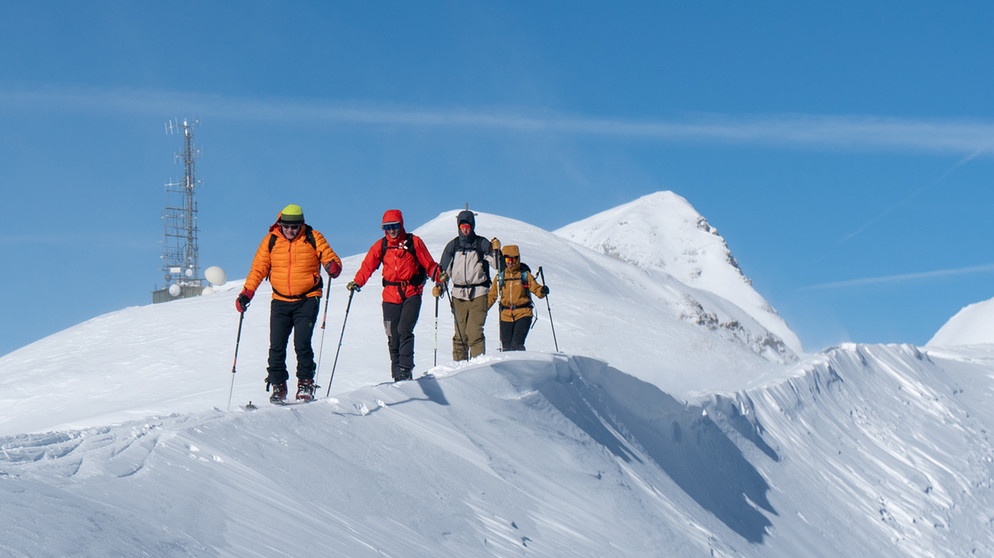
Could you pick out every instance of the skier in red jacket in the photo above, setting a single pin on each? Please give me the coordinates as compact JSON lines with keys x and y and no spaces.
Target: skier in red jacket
{"x":406,"y":265}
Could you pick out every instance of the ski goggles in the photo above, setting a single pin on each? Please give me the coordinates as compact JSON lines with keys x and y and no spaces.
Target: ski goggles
{"x":391,"y":227}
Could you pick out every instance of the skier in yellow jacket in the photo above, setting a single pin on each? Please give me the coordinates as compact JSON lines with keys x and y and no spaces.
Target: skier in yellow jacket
{"x":291,"y":256}
{"x":514,"y":287}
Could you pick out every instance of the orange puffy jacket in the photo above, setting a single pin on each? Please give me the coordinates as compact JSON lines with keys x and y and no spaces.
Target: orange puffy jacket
{"x":293,"y":267}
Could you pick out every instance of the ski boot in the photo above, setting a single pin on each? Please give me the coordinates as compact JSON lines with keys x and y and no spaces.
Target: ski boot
{"x":305,"y":390}
{"x":402,"y":375}
{"x":278,"y":396}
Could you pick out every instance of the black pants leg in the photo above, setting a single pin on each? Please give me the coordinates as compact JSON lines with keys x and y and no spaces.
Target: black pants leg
{"x":284,"y":317}
{"x":513,"y":334}
{"x":399,"y":321}
{"x":305,"y":315}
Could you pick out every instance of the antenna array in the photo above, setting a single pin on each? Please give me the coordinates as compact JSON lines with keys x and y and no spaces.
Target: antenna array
{"x":180,"y":253}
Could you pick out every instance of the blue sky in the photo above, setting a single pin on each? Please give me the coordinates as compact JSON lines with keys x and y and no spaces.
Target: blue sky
{"x":844,"y":150}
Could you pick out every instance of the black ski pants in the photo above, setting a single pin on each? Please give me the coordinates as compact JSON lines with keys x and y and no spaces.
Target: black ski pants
{"x":399,"y":321}
{"x":513,"y":334}
{"x":298,"y":316}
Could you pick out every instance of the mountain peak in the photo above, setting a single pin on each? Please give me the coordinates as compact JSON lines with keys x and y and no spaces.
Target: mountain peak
{"x":972,"y":325}
{"x":657,"y":231}
{"x":662,"y":231}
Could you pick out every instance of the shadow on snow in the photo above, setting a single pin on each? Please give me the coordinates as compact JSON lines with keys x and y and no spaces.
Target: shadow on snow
{"x":635,"y":420}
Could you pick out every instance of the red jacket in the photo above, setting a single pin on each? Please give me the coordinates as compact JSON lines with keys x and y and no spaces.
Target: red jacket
{"x":399,"y":266}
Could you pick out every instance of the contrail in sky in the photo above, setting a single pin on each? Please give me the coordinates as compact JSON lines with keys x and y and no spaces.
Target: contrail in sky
{"x":845,"y":132}
{"x":901,"y":278}
{"x":917,"y":192}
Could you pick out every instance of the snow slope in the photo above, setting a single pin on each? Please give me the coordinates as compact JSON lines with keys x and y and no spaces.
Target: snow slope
{"x":972,"y":325}
{"x":662,"y":231}
{"x":650,"y":434}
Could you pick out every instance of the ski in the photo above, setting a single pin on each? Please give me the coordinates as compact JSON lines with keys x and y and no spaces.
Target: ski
{"x":285,"y":403}
{"x":291,"y":402}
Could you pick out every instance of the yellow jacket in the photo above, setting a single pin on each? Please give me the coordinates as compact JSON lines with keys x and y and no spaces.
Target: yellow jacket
{"x":515,"y":302}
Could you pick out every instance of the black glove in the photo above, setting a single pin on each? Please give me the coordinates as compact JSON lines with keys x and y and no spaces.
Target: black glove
{"x":352,"y":286}
{"x":544,"y":290}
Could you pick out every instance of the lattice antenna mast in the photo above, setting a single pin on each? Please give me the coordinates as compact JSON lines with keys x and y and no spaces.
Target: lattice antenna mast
{"x":181,"y":258}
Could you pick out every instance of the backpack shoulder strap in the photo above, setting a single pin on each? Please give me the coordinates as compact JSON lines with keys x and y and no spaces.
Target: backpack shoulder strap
{"x":408,"y":245}
{"x":309,"y":236}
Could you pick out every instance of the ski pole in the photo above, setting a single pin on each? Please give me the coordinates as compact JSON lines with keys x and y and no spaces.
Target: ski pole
{"x":324,"y":320}
{"x":436,"y":332}
{"x":238,"y":340}
{"x":541,"y":275}
{"x":339,"y":349}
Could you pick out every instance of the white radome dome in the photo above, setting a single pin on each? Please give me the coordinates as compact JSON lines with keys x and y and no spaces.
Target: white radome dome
{"x":215,"y":275}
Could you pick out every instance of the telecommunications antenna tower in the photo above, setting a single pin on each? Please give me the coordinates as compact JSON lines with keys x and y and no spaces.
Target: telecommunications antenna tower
{"x":180,"y":254}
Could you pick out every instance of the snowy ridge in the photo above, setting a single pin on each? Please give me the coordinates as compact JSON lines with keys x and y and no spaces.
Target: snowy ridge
{"x":881,"y":448}
{"x":130,"y":360}
{"x":662,"y":231}
{"x":650,"y":434}
{"x":865,"y":451}
{"x":414,"y":469}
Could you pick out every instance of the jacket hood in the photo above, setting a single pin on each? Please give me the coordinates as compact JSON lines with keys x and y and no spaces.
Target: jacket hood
{"x":511,"y":250}
{"x":467,"y":216}
{"x":395,"y":216}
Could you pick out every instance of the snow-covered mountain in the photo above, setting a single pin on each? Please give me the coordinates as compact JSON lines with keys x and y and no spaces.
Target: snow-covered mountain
{"x":972,"y":325}
{"x":662,"y":231}
{"x":649,"y":434}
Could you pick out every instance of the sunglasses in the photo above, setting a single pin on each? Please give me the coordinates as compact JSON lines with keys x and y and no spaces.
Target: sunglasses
{"x":391,"y":227}
{"x":293,"y":226}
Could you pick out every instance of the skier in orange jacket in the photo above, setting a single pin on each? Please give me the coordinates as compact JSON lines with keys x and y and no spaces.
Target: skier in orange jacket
{"x":291,"y":256}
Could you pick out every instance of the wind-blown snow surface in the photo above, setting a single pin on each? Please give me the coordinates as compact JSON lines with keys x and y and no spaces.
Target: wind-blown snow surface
{"x":651,"y":434}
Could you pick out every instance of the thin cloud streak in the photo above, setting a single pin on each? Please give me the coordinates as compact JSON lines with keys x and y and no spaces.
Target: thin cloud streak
{"x":971,"y":138}
{"x":902,"y":278}
{"x":970,"y":157}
